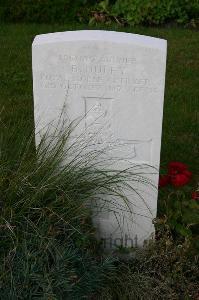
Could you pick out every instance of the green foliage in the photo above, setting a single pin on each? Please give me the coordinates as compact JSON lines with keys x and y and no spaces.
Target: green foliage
{"x":41,"y":268}
{"x":180,"y":214}
{"x":149,"y":12}
{"x":47,"y":240}
{"x":48,"y":247}
{"x":121,"y":11}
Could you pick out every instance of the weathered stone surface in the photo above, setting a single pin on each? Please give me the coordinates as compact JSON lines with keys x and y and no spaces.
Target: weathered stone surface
{"x":115,"y":81}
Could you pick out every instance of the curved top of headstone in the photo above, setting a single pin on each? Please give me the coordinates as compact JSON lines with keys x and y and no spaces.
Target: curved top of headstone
{"x":101,"y":35}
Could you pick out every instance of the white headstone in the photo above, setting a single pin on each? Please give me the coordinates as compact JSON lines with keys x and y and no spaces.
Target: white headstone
{"x":116,"y":81}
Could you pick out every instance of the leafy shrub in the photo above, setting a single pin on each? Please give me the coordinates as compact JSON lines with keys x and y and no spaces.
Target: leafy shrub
{"x":156,"y":12}
{"x":150,"y":12}
{"x":180,"y":214}
{"x":132,"y":12}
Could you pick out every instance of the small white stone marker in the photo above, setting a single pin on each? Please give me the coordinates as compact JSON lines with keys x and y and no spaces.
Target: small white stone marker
{"x":114,"y":80}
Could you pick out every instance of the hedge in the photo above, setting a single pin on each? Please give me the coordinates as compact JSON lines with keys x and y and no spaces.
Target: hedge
{"x":156,"y":11}
{"x":131,"y":12}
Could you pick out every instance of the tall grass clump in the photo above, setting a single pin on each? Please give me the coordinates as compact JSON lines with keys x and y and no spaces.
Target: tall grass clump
{"x":48,"y":248}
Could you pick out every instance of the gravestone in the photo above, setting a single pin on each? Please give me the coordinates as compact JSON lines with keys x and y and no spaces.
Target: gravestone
{"x":115,"y":81}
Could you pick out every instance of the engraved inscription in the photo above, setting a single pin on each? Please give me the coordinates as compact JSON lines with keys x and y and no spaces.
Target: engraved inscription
{"x":98,"y":118}
{"x":87,"y":72}
{"x":98,"y":127}
{"x":125,"y":150}
{"x":95,"y":59}
{"x":134,"y":150}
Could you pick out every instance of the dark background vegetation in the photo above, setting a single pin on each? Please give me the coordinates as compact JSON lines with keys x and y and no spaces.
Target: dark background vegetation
{"x":123,"y":11}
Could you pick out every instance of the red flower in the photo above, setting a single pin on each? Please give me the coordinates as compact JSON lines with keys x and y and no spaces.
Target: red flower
{"x":179,"y":173}
{"x":195,"y":195}
{"x":164,"y":180}
{"x":187,"y":173}
{"x":176,"y":167}
{"x":179,"y":180}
